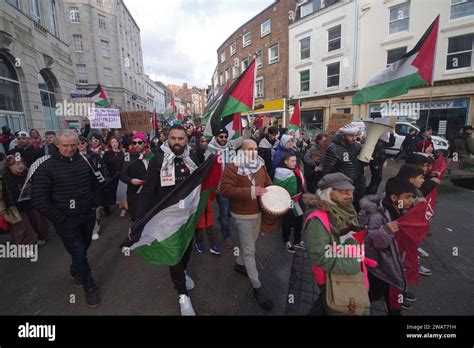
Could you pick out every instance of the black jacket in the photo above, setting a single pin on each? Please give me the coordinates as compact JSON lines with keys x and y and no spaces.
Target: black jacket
{"x":11,"y":189}
{"x":28,"y":153}
{"x":266,"y":149}
{"x":343,"y":158}
{"x":380,"y":155}
{"x":133,"y":169}
{"x":152,"y":191}
{"x":63,"y":188}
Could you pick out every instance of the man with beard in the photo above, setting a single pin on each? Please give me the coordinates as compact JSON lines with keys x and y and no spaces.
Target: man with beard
{"x":134,"y":172}
{"x":173,"y":165}
{"x":341,"y":157}
{"x":25,"y":149}
{"x":227,"y":150}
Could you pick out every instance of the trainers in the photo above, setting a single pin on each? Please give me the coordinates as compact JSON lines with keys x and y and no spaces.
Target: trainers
{"x":300,"y":245}
{"x":95,"y":236}
{"x":77,"y":281}
{"x":123,"y":213}
{"x":240,"y":269}
{"x":216,"y":250}
{"x":186,"y":306}
{"x":92,"y":297}
{"x":406,"y":305}
{"x":200,"y":248}
{"x":409,"y":296}
{"x":189,"y":282}
{"x":424,"y":271}
{"x":423,"y":253}
{"x":263,"y":300}
{"x":228,"y":243}
{"x":289,"y":248}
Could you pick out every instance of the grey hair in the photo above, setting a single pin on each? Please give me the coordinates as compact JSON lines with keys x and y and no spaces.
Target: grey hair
{"x":66,"y":133}
{"x":325,"y":195}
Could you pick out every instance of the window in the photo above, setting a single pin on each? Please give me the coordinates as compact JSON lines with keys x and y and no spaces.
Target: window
{"x":74,"y":15}
{"x":245,"y":64}
{"x":305,"y":48}
{"x":246,"y":40}
{"x":102,"y":22}
{"x":306,"y":9}
{"x":333,"y":75}
{"x":227,"y":74}
{"x":48,"y":100}
{"x":78,"y":46}
{"x":221,"y":78}
{"x":223,"y":57}
{"x":108,"y":77}
{"x":343,"y":111}
{"x":259,"y":59}
{"x":274,"y":54}
{"x":233,"y":49}
{"x":10,"y":96}
{"x":35,"y":11}
{"x":395,"y":54}
{"x":461,"y":8}
{"x":14,"y":3}
{"x":334,"y":38}
{"x":81,"y":74}
{"x":105,"y":48}
{"x":259,"y":87}
{"x":266,"y":28}
{"x":304,"y":81}
{"x":460,"y":52}
{"x":53,"y":25}
{"x":235,"y":70}
{"x":399,"y":17}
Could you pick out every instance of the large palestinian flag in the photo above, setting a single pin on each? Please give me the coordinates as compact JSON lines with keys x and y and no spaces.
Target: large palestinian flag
{"x":99,"y":97}
{"x":238,"y":98}
{"x":414,"y":69}
{"x":164,"y":233}
{"x":295,"y":122}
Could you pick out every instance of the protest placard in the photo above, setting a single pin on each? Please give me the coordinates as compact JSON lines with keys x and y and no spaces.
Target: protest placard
{"x":104,"y":118}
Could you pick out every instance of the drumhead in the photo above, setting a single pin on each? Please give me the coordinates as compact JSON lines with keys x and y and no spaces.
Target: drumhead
{"x":276,"y":200}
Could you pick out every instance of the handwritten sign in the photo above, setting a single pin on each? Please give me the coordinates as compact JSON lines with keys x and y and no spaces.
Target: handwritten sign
{"x":139,"y":121}
{"x":337,"y":121}
{"x":104,"y":118}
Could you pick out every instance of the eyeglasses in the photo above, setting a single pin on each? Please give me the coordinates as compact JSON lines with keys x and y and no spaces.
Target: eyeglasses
{"x":82,"y":143}
{"x":137,"y":142}
{"x":222,"y":136}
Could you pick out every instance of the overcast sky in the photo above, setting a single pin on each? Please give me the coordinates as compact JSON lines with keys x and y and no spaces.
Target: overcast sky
{"x":180,"y":37}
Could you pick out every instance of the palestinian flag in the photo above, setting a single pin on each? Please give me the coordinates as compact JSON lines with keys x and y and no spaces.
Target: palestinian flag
{"x":170,"y":112}
{"x":295,"y":122}
{"x":414,"y":69}
{"x":164,"y":233}
{"x":238,"y":98}
{"x":286,"y":178}
{"x":99,"y":97}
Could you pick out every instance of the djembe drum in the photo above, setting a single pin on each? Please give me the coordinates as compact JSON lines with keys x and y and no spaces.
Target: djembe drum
{"x":275,"y":203}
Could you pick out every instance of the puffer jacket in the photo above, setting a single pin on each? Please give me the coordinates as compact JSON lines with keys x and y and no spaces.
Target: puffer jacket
{"x":464,"y":145}
{"x":380,"y":245}
{"x":334,"y":161}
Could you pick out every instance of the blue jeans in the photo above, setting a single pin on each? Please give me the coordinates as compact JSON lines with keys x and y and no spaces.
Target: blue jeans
{"x":223,"y":215}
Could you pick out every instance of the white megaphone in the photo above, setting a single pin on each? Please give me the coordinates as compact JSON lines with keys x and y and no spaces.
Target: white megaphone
{"x":373,"y":131}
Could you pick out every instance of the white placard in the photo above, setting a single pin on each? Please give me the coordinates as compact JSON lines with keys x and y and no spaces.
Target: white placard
{"x":105,"y":118}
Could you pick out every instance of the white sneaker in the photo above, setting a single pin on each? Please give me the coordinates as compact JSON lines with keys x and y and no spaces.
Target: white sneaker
{"x":189,"y":282}
{"x":95,"y":236}
{"x":95,"y":231}
{"x":186,"y":306}
{"x":123,"y":213}
{"x":423,"y":253}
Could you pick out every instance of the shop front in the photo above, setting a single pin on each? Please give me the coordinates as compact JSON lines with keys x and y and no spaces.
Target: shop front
{"x":273,"y":112}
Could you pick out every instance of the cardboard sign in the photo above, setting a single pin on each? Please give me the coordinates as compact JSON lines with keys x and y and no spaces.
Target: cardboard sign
{"x":139,"y":121}
{"x":104,"y":118}
{"x":337,"y":121}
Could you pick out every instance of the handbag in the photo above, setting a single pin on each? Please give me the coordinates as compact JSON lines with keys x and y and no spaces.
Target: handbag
{"x":347,"y":293}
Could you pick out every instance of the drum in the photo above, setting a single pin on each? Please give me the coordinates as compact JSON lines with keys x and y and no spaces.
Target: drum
{"x":275,"y":203}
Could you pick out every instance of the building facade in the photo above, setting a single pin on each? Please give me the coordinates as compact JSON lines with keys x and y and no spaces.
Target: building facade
{"x":373,"y":35}
{"x":155,"y":96}
{"x":36,"y":72}
{"x":106,"y":45}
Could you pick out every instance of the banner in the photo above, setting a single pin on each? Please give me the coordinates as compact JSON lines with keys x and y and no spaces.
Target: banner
{"x":136,"y":121}
{"x":337,"y":121}
{"x":104,"y":118}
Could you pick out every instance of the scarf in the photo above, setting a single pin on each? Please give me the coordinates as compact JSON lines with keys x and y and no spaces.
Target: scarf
{"x":246,"y":166}
{"x":342,"y":215}
{"x":168,"y":168}
{"x":227,"y":152}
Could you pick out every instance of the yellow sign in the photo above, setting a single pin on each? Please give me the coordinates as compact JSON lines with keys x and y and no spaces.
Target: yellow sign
{"x":277,"y":105}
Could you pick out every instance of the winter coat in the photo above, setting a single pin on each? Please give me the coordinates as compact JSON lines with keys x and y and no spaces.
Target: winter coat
{"x":266,"y":150}
{"x":28,"y":153}
{"x":408,"y":145}
{"x":11,"y":188}
{"x":281,"y":151}
{"x":380,"y":245}
{"x":343,"y":158}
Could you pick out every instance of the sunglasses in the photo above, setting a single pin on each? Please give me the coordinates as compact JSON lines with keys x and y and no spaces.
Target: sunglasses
{"x":222,"y":136}
{"x":137,"y":142}
{"x":82,"y":143}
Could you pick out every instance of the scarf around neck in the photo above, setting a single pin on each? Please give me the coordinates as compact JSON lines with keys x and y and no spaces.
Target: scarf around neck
{"x":227,"y":152}
{"x":168,"y":168}
{"x":245,"y":166}
{"x":342,"y":215}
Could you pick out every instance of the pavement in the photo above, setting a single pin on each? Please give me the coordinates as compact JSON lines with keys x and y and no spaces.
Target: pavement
{"x":129,"y":286}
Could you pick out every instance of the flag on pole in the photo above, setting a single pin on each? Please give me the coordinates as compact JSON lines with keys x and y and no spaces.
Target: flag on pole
{"x":163,"y":234}
{"x":99,"y":97}
{"x":295,"y":122}
{"x":171,"y":111}
{"x":238,"y":98}
{"x":414,"y":69}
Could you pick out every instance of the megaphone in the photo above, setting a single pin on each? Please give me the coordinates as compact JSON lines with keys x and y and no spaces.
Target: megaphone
{"x":373,"y":133}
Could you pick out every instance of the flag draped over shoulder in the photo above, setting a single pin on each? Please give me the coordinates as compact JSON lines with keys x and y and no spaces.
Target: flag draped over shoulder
{"x":414,"y":69}
{"x":99,"y":97}
{"x":238,"y":98}
{"x":163,"y":234}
